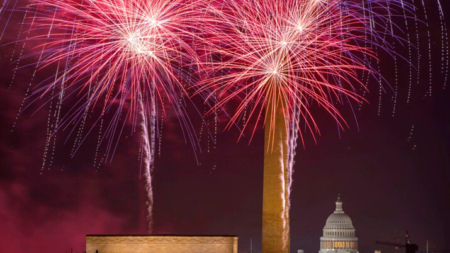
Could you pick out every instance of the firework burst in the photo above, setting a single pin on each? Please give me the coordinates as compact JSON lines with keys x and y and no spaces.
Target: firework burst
{"x":128,"y":55}
{"x":286,"y":55}
{"x":119,"y":49}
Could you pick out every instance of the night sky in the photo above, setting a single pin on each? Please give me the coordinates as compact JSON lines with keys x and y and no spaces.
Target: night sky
{"x":390,"y":178}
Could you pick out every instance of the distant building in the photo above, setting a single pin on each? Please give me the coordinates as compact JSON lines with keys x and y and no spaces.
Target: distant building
{"x":338,"y":233}
{"x":160,"y":244}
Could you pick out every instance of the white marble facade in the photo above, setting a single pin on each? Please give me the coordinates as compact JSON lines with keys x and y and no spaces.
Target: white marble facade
{"x":338,"y":233}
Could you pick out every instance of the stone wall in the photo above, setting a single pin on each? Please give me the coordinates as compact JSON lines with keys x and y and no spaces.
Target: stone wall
{"x":160,"y":244}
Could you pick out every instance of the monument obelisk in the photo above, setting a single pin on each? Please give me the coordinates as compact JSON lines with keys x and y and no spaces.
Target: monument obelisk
{"x":275,"y":224}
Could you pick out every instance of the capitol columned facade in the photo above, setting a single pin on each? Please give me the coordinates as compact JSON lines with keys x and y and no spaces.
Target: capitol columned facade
{"x":338,"y":233}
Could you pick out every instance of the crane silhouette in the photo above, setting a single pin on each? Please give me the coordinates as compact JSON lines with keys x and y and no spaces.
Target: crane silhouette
{"x":409,"y":247}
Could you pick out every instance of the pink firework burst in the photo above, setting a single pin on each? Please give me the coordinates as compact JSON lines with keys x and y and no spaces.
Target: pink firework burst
{"x":130,"y":55}
{"x":120,"y":50}
{"x":284,"y":55}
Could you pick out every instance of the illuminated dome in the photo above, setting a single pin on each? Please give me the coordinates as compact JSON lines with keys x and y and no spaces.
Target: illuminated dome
{"x":339,"y":233}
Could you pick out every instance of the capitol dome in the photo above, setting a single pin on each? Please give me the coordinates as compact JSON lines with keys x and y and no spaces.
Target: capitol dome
{"x":338,"y":233}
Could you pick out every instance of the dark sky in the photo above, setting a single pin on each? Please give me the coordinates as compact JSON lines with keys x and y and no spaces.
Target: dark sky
{"x":388,"y":182}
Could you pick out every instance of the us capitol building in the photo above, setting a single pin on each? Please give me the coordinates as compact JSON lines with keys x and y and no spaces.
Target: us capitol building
{"x":338,"y":233}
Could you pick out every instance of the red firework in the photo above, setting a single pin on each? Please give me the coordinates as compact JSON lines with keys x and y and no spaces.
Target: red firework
{"x":120,"y":51}
{"x":282,"y":55}
{"x":129,"y":54}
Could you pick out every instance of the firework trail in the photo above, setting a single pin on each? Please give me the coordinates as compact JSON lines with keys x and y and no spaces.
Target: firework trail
{"x":3,"y":7}
{"x":148,"y":158}
{"x":127,"y":57}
